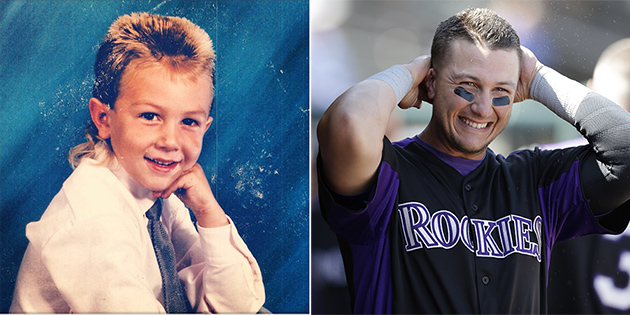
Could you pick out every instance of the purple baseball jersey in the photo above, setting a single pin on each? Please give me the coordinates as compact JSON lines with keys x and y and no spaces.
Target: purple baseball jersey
{"x":439,"y":234}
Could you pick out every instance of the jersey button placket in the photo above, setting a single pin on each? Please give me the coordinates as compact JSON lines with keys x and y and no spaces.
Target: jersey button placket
{"x":485,"y":280}
{"x":469,"y":188}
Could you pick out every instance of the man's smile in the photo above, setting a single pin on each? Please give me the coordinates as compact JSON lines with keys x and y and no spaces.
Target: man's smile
{"x":474,"y":124}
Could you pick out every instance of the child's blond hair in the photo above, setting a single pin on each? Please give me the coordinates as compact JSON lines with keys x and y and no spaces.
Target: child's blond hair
{"x":137,"y":39}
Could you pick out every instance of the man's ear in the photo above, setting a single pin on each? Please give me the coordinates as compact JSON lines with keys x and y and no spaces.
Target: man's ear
{"x":100,"y":116}
{"x":429,"y":80}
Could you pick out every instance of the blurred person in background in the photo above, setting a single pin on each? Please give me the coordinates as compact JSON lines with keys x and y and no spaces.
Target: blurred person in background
{"x":590,"y":274}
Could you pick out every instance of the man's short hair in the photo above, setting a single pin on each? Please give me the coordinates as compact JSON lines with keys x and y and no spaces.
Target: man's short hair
{"x":478,"y":26}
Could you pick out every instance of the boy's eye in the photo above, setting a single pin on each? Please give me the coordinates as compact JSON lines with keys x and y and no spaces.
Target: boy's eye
{"x":148,"y":116}
{"x":190,"y":122}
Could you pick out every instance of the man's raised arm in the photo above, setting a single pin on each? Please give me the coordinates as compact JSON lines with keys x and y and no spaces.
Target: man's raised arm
{"x":605,"y":176}
{"x":351,"y":131}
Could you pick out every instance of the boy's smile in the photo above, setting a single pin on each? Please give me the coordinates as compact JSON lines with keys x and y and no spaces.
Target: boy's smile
{"x":162,"y":166}
{"x":157,"y":124}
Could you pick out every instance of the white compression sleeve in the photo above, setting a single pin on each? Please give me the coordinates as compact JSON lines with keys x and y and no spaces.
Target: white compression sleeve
{"x":607,"y":127}
{"x":603,"y":122}
{"x":399,"y":78}
{"x":559,"y":93}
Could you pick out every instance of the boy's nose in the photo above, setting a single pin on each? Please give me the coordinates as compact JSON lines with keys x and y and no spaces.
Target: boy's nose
{"x":168,"y":138}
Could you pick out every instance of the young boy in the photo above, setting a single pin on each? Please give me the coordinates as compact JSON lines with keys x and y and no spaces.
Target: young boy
{"x":118,"y":236}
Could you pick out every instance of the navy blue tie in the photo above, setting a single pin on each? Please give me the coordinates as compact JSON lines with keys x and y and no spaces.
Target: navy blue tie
{"x":175,"y":300}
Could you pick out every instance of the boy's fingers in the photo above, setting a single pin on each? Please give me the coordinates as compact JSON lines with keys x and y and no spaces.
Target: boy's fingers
{"x":182,"y":183}
{"x":179,"y":183}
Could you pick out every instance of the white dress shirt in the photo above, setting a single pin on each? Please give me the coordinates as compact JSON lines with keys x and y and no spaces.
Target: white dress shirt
{"x":91,"y":252}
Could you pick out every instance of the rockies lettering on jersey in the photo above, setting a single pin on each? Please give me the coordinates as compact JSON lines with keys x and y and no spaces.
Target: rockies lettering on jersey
{"x":496,"y":239}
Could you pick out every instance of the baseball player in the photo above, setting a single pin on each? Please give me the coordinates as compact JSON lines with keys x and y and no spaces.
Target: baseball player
{"x":438,"y":223}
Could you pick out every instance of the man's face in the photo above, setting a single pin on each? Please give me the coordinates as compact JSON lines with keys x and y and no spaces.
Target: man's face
{"x":157,"y":124}
{"x":462,"y":125}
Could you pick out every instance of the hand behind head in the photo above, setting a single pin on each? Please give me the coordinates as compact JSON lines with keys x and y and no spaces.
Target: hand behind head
{"x":530,"y":66}
{"x":419,"y":69}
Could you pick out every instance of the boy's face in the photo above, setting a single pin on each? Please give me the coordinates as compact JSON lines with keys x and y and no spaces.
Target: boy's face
{"x":157,"y":124}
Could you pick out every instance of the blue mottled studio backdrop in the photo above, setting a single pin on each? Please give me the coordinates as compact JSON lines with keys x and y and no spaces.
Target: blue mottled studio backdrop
{"x":255,"y":153}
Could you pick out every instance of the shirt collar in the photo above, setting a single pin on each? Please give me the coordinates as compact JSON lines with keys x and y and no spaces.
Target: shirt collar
{"x":141,"y":194}
{"x":462,"y":165}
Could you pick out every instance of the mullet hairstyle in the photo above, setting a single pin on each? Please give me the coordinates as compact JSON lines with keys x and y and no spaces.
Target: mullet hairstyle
{"x":477,"y":26}
{"x":140,"y":39}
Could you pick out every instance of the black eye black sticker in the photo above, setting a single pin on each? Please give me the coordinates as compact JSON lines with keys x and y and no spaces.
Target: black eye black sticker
{"x":464,"y":94}
{"x":501,"y":101}
{"x":497,"y":101}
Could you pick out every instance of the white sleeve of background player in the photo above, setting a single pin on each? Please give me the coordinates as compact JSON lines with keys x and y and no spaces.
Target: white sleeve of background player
{"x":399,"y":78}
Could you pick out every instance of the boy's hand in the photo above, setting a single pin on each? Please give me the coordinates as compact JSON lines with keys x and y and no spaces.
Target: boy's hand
{"x":193,"y":189}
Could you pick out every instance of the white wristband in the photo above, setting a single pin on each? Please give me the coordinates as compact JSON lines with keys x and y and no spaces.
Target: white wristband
{"x":399,"y":78}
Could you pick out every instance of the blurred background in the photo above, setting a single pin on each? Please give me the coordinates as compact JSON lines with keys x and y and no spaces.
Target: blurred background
{"x":255,"y":153}
{"x":351,"y":40}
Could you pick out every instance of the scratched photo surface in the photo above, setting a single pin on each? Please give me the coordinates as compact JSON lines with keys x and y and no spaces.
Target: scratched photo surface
{"x":255,"y":153}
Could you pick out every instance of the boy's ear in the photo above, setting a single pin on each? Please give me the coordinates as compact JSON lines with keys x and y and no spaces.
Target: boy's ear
{"x":430,"y":83}
{"x":100,"y":116}
{"x":208,"y":123}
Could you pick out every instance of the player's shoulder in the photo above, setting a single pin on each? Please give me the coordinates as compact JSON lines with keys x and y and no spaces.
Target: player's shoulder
{"x":408,"y":150}
{"x":525,"y":161}
{"x":408,"y":146}
{"x":538,"y":162}
{"x":404,"y":143}
{"x":516,"y":157}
